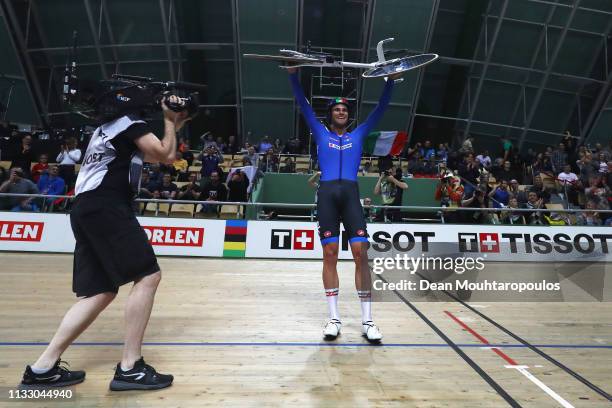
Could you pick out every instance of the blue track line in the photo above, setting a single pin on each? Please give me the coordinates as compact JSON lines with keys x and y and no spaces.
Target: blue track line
{"x":330,"y":344}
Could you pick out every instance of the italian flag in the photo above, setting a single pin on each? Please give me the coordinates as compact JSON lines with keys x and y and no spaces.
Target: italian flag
{"x":385,"y":143}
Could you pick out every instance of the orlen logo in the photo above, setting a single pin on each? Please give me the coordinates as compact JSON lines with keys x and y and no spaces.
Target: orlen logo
{"x":286,"y":239}
{"x":175,"y":236}
{"x":21,"y":231}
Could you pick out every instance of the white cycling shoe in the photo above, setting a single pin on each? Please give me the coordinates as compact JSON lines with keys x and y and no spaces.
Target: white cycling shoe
{"x":371,"y":332}
{"x":332,"y":329}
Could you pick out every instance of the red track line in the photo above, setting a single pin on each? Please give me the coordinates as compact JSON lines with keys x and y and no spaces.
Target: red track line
{"x":482,"y":339}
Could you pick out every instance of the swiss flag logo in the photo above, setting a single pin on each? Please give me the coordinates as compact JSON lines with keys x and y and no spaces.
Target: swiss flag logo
{"x":489,"y":242}
{"x":303,"y":239}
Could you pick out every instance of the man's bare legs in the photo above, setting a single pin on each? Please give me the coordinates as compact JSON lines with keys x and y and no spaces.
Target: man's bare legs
{"x":75,"y":321}
{"x":137,"y":314}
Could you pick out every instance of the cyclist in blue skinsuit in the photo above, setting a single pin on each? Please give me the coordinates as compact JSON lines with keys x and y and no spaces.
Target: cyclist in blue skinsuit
{"x":339,"y":153}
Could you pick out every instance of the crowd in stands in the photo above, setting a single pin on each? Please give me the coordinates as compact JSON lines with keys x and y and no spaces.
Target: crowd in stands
{"x":561,"y":176}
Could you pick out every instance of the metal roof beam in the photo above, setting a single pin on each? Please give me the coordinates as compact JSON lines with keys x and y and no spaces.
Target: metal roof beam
{"x":487,"y":61}
{"x":551,"y":63}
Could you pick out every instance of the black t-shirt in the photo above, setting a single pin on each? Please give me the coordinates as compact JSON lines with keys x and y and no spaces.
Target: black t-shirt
{"x":216,"y":192}
{"x":110,"y":157}
{"x":165,"y":191}
{"x":117,"y":178}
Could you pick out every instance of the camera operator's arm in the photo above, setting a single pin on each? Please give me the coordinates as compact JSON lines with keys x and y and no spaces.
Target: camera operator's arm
{"x":398,"y":183}
{"x":492,"y":192}
{"x":163,"y":150}
{"x":468,"y":201}
{"x":314,"y":179}
{"x":377,"y":186}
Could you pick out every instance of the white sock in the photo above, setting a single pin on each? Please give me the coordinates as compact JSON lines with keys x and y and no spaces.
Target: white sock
{"x":332,"y":303}
{"x":366,"y":305}
{"x":39,"y":370}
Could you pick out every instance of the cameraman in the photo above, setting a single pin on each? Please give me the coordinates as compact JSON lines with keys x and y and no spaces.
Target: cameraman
{"x":475,"y":199}
{"x":449,"y":192}
{"x":112,"y":248}
{"x":391,"y":188}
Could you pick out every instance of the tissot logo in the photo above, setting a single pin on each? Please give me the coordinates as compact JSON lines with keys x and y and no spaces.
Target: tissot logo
{"x":21,"y":231}
{"x":489,"y":242}
{"x":468,"y":242}
{"x":292,"y":239}
{"x":533,"y":243}
{"x":481,"y":242}
{"x":175,"y":236}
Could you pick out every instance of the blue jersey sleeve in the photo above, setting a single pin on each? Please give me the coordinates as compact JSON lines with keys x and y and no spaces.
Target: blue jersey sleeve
{"x":375,"y":116}
{"x":313,"y":123}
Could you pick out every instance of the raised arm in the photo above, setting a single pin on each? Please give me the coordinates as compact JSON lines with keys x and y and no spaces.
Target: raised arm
{"x":375,"y":116}
{"x":313,"y":123}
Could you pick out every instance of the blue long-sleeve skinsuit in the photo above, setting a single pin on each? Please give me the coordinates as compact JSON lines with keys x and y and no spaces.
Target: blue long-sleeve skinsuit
{"x":339,"y":159}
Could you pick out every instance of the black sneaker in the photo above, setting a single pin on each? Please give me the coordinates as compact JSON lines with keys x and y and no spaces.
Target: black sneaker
{"x":58,"y":376}
{"x":141,"y":377}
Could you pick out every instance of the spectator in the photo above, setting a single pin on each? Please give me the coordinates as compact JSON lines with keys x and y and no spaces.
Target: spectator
{"x":442,"y":152}
{"x":533,"y":203}
{"x":278,"y":146}
{"x":559,"y":158}
{"x":485,"y":160}
{"x":427,"y":151}
{"x":180,"y":166}
{"x":587,"y":167}
{"x":24,"y":156}
{"x":569,"y":184}
{"x":238,"y":187}
{"x":190,"y":191}
{"x":207,"y":141}
{"x":167,"y":189}
{"x":449,"y":192}
{"x":252,"y":156}
{"x":265,"y":144}
{"x":41,"y":167}
{"x":213,"y":190}
{"x":18,"y":184}
{"x":476,"y":198}
{"x":540,"y":190}
{"x":506,"y":149}
{"x":232,"y":146}
{"x":597,"y":192}
{"x":51,"y":184}
{"x":187,"y":153}
{"x":506,"y":172}
{"x":67,"y":159}
{"x":155,"y":173}
{"x":500,"y":195}
{"x":521,"y":196}
{"x":602,"y":163}
{"x":590,"y":217}
{"x":289,"y":166}
{"x":469,"y":172}
{"x":466,"y":146}
{"x":148,"y":187}
{"x":293,"y":146}
{"x":182,"y":144}
{"x":269,"y":163}
{"x":369,"y":213}
{"x":391,"y":188}
{"x":221,"y":146}
{"x":210,"y":159}
{"x":513,"y":217}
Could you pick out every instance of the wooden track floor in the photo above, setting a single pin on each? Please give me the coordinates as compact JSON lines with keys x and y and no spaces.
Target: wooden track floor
{"x":248,"y":333}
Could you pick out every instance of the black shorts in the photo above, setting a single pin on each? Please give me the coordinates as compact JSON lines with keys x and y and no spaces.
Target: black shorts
{"x":111,"y":249}
{"x":338,"y":200}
